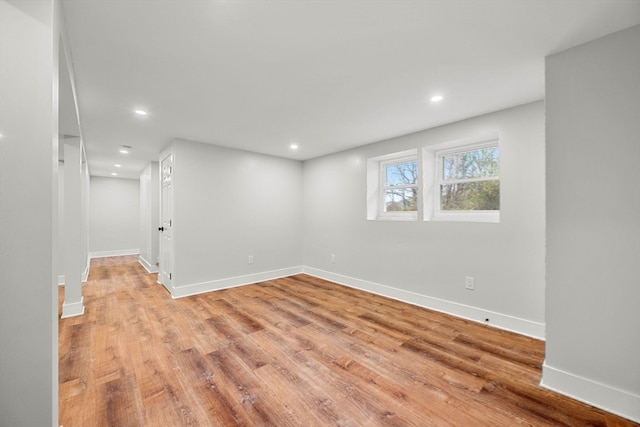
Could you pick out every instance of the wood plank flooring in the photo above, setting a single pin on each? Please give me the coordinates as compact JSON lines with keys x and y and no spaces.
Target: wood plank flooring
{"x":297,"y":351}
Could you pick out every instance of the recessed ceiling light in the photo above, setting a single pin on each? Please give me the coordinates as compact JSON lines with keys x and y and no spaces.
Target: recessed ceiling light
{"x":141,"y":112}
{"x":293,"y":146}
{"x":118,"y":166}
{"x":437,"y":98}
{"x":114,"y":174}
{"x":124,"y":151}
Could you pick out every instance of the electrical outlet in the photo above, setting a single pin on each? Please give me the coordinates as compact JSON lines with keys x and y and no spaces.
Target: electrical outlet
{"x":333,"y":258}
{"x":469,"y":283}
{"x":250,"y":261}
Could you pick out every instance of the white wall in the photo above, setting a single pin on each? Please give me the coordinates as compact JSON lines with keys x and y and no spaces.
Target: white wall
{"x":229,"y":204}
{"x":29,"y":43}
{"x":425,"y":262}
{"x":73,"y":228}
{"x":149,"y":216}
{"x":114,"y":216}
{"x":61,"y":239}
{"x":593,"y":222}
{"x":86,"y":194}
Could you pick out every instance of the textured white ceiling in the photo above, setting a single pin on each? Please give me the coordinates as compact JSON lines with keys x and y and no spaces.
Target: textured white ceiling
{"x":328,"y":75}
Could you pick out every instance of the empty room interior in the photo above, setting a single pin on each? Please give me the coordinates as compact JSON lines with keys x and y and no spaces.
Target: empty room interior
{"x":315,"y":213}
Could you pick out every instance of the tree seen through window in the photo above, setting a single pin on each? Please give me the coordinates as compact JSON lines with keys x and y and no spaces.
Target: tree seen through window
{"x":470,"y":180}
{"x":401,"y":187}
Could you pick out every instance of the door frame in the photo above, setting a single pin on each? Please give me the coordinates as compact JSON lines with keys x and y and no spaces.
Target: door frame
{"x":166,"y":230}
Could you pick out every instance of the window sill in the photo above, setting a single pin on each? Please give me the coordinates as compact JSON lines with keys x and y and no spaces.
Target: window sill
{"x":465,"y":217}
{"x":413,"y":217}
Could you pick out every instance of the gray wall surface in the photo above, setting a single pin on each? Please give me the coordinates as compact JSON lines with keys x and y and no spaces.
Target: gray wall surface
{"x":114,"y":215}
{"x":432,"y":258}
{"x":593,"y":222}
{"x":29,"y":36}
{"x":230,"y":204}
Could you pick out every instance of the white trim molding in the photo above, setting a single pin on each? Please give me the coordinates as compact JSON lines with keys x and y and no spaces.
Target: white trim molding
{"x":85,"y":273}
{"x":117,"y":252}
{"x":232,"y":282}
{"x":61,"y":280}
{"x":432,"y":156}
{"x":498,"y":320}
{"x":72,"y":309}
{"x":603,"y":396}
{"x":151,"y":268}
{"x":375,"y":186}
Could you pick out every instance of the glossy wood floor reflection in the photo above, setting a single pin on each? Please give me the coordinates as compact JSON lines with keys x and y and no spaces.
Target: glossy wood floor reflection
{"x":297,"y":351}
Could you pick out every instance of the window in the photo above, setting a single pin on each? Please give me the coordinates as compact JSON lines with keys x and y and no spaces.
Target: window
{"x":393,"y":184}
{"x":399,"y":186}
{"x":453,"y":181}
{"x":466,"y":186}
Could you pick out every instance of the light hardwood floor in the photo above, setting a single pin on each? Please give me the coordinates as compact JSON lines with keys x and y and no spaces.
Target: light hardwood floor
{"x":297,"y":351}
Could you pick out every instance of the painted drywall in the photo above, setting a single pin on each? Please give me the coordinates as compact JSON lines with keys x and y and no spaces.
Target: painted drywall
{"x":61,"y":239}
{"x":229,"y":205}
{"x":84,"y":219}
{"x":114,"y":216}
{"x":74,"y":260}
{"x":29,"y":43}
{"x":593,"y":222}
{"x":425,"y":262}
{"x":149,"y":216}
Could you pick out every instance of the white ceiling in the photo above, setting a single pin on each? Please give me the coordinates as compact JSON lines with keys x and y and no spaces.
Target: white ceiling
{"x":328,"y":75}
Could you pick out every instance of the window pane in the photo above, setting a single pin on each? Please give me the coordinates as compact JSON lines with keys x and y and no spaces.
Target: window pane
{"x":470,"y":196}
{"x":401,"y":174}
{"x":471,"y":164}
{"x":401,"y":199}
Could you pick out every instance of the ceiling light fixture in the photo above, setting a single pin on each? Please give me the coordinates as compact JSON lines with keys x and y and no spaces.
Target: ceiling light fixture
{"x":118,"y":166}
{"x":293,"y":146}
{"x":141,"y":112}
{"x":114,"y":174}
{"x":437,"y":98}
{"x":124,"y":151}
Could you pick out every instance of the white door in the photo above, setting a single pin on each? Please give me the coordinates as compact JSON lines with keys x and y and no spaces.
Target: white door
{"x":166,"y":228}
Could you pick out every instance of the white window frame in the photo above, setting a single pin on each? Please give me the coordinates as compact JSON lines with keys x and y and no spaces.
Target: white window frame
{"x":384,"y":187}
{"x":433,"y":179}
{"x":376,"y":186}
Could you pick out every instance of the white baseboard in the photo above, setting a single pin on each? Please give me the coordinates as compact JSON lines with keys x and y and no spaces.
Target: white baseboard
{"x":85,"y":273}
{"x":73,"y":309}
{"x":151,"y":268}
{"x":232,"y":282}
{"x":118,"y":252}
{"x":498,"y":320}
{"x":600,"y":395}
